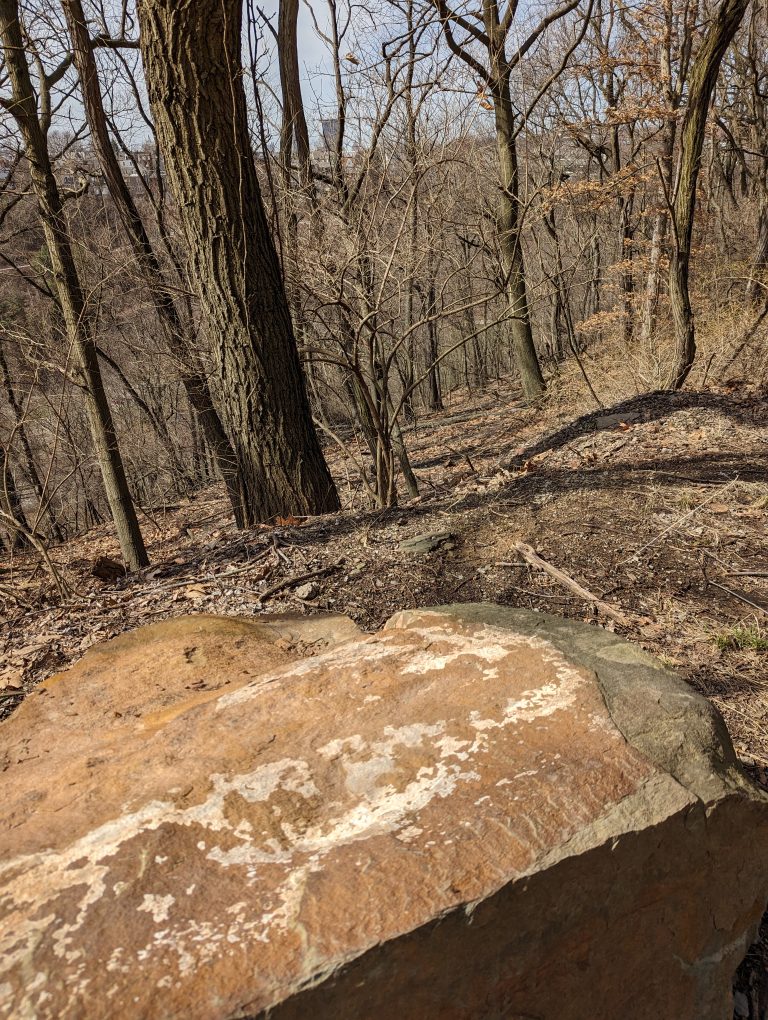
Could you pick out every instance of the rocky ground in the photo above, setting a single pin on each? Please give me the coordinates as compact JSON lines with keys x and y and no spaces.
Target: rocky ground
{"x":657,"y":506}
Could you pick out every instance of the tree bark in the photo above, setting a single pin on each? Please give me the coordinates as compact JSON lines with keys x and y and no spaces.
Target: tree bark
{"x":192,"y":378}
{"x":191,"y":56}
{"x":703,"y":79}
{"x":11,"y":503}
{"x":510,"y":240}
{"x":294,"y":125}
{"x":23,"y":107}
{"x":20,"y":427}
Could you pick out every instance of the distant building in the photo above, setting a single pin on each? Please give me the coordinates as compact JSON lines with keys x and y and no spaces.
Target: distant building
{"x":80,"y":166}
{"x":330,"y":127}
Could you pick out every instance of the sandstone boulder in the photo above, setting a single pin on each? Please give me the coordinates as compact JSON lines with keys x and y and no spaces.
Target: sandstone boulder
{"x":475,"y":813}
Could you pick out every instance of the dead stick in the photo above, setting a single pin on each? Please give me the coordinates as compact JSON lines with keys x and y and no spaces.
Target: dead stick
{"x":741,"y":597}
{"x":211,"y":579}
{"x":535,"y":560}
{"x":290,"y":582}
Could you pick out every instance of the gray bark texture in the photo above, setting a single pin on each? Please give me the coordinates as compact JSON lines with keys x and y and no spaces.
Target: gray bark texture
{"x":701,"y":85}
{"x":191,"y":56}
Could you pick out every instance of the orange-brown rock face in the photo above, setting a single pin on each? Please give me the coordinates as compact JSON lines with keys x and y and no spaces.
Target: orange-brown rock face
{"x":475,"y":813}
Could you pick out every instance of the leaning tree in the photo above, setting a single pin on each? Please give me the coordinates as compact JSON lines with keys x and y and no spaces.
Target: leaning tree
{"x":191,"y":56}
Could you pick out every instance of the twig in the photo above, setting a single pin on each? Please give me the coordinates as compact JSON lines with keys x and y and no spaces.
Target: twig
{"x":460,"y":585}
{"x":535,"y":560}
{"x":744,"y":752}
{"x":741,"y":597}
{"x":682,"y":520}
{"x":290,"y":582}
{"x":170,"y":585}
{"x":9,"y":593}
{"x":149,"y":517}
{"x":204,"y":520}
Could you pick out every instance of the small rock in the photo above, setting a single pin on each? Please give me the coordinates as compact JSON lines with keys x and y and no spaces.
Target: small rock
{"x":429,"y":542}
{"x":308,"y":591}
{"x":11,"y":680}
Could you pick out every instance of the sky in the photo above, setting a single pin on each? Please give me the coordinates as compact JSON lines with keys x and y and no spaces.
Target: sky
{"x":316,"y":83}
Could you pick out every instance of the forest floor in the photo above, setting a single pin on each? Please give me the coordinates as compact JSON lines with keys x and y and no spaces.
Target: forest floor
{"x":657,"y":505}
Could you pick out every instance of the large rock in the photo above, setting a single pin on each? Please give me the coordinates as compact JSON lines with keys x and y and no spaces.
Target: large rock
{"x":476,"y":813}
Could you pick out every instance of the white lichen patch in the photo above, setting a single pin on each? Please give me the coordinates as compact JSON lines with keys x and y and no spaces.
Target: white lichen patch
{"x":409,"y":834}
{"x":157,"y":906}
{"x":271,"y":821}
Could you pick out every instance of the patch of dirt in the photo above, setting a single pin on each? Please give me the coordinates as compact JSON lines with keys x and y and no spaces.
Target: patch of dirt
{"x":657,"y":506}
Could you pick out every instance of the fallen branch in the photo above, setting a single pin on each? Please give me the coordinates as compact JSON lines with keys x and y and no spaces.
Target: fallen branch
{"x":762,"y":606}
{"x":9,"y":593}
{"x":185,"y":581}
{"x":291,"y":582}
{"x":673,"y":527}
{"x":532,"y":557}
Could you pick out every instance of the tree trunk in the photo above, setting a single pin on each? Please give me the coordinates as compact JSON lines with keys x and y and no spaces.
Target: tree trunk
{"x":659,"y":239}
{"x":433,"y":351}
{"x":194,"y":382}
{"x":398,"y":445}
{"x":191,"y":55}
{"x":653,"y":281}
{"x":294,"y":125}
{"x":11,"y":503}
{"x":756,"y":288}
{"x":71,"y":299}
{"x":510,"y":243}
{"x":702,"y":81}
{"x":31,"y":466}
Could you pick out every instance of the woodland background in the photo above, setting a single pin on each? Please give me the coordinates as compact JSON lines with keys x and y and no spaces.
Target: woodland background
{"x":455,"y":196}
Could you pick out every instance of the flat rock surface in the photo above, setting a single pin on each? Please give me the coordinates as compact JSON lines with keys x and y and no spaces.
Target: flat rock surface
{"x":422,"y":544}
{"x":206,"y":817}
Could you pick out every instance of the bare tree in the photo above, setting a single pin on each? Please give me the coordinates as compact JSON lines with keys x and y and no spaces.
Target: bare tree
{"x":702,"y":81}
{"x":33,"y":126}
{"x":491,"y":29}
{"x":191,"y":57}
{"x":192,"y":377}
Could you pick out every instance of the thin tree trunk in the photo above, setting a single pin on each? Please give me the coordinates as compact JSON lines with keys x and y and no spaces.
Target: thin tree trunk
{"x":294,"y":125}
{"x":9,"y":499}
{"x":626,"y":233}
{"x":703,"y":79}
{"x":183,"y":481}
{"x":653,"y":281}
{"x":659,"y":240}
{"x":23,"y":107}
{"x":193,"y":380}
{"x":510,"y":242}
{"x":31,"y":466}
{"x":756,"y":288}
{"x":561,"y":314}
{"x":398,"y":444}
{"x":191,"y":55}
{"x":596,"y":267}
{"x":433,"y":353}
